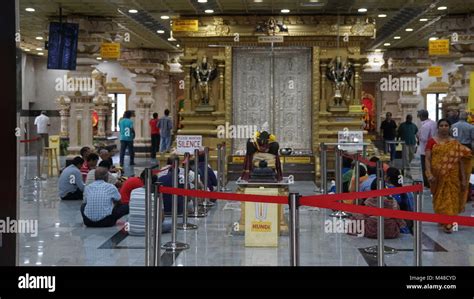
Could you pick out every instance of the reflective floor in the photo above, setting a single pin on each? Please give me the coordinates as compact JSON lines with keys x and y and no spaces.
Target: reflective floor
{"x":63,"y":240}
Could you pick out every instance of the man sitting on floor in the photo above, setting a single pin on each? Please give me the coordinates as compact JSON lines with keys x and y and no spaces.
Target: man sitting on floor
{"x":101,"y":206}
{"x":70,"y":182}
{"x":111,"y":178}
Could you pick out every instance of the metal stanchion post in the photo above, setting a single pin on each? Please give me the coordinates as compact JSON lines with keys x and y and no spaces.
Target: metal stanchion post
{"x":377,"y":249}
{"x":185,"y":225}
{"x":339,"y":214}
{"x":404,"y":158}
{"x":196,"y":212}
{"x":38,"y":160}
{"x":357,"y":175}
{"x":380,"y":229}
{"x":323,"y":169}
{"x":206,"y":204}
{"x":417,"y":229}
{"x":158,"y":203}
{"x":294,"y":229}
{"x":219,"y":167}
{"x":148,"y":222}
{"x":364,"y":150}
{"x":224,"y":173}
{"x":174,"y":245}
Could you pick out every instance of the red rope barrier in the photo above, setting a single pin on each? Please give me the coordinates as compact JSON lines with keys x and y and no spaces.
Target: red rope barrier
{"x":329,"y":202}
{"x":30,"y":140}
{"x":366,"y":194}
{"x":226,"y":196}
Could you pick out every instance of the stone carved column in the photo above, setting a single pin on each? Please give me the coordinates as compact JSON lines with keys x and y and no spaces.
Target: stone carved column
{"x":357,"y":84}
{"x":102,"y":102}
{"x":64,"y":103}
{"x":323,"y":105}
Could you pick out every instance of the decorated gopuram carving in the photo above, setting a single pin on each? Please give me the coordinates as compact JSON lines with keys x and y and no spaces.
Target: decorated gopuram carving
{"x":273,"y":71}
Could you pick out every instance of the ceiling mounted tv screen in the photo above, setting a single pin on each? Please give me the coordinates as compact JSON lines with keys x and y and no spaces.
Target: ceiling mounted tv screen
{"x":62,"y":46}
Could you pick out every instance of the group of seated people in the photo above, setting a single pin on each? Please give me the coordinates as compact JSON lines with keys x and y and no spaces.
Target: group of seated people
{"x":367,"y":182}
{"x":107,"y":197}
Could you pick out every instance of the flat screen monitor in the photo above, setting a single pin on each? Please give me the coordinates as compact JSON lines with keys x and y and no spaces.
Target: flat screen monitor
{"x":62,"y":46}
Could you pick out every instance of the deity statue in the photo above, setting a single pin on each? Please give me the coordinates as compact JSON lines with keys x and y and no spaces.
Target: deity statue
{"x":262,"y":147}
{"x":340,"y":75}
{"x":204,"y":73}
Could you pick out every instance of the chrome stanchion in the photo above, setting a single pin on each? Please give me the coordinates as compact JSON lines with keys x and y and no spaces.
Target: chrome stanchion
{"x":339,"y":214}
{"x":224,"y":167}
{"x":197,"y":213}
{"x":323,"y":169}
{"x":158,"y":203}
{"x":185,"y":225}
{"x":364,"y":150}
{"x":376,"y":250}
{"x":357,"y":175}
{"x":174,"y":245}
{"x":381,"y":222}
{"x":206,"y":203}
{"x":38,"y":160}
{"x":417,"y":229}
{"x":219,"y":166}
{"x":148,"y":215}
{"x":293,"y":199}
{"x":404,"y":158}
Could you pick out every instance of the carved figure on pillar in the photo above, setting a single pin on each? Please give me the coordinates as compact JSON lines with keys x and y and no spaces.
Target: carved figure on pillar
{"x":204,"y":74}
{"x":340,"y":74}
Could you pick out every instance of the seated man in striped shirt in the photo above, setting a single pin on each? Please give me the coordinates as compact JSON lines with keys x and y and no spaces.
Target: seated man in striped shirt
{"x":137,"y":213}
{"x":101,"y":207}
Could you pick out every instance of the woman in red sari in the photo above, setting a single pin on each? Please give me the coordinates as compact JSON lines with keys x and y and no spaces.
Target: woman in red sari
{"x":448,"y":170}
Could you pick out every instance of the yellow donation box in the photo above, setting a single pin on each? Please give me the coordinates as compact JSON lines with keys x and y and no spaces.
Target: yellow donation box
{"x":261,"y":220}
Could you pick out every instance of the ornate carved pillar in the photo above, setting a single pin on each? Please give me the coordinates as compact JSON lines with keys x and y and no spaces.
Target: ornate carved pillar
{"x":102,"y":102}
{"x":64,"y":103}
{"x":324,"y":107}
{"x":220,"y":69}
{"x":143,"y":99}
{"x":187,"y":65}
{"x":357,"y":83}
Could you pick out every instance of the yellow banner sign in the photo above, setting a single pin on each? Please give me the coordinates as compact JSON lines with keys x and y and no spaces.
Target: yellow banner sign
{"x":439,"y":47}
{"x":260,"y":226}
{"x":238,"y":159}
{"x":298,"y":160}
{"x":471,"y":94}
{"x":186,"y":25}
{"x":435,"y":71}
{"x":110,"y":50}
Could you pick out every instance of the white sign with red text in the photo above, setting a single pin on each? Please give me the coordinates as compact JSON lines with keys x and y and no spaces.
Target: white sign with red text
{"x":188,"y":143}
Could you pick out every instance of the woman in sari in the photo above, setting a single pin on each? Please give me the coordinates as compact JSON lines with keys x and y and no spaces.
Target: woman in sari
{"x":448,"y":170}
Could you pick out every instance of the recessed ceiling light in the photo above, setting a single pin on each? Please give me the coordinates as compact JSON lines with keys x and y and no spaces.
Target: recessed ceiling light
{"x":423,"y":20}
{"x":409,"y":29}
{"x":40,"y":53}
{"x":133,"y":11}
{"x":285,"y":10}
{"x":378,"y":50}
{"x":386,"y":44}
{"x":99,"y":58}
{"x":202,"y":1}
{"x":362,"y":10}
{"x":209,"y":11}
{"x":39,"y":38}
{"x":396,"y":37}
{"x":382,"y":15}
{"x":27,"y":50}
{"x":165,"y":17}
{"x":178,"y":45}
{"x":39,"y":49}
{"x":30,"y":9}
{"x":433,"y":38}
{"x":258,"y":1}
{"x":160,"y":31}
{"x":442,"y":8}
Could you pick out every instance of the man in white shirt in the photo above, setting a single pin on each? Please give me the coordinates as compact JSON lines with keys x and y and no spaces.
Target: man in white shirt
{"x":428,"y":129}
{"x":42,"y":127}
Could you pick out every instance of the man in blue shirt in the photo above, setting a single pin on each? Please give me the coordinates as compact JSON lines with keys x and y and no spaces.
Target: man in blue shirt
{"x":101,"y":207}
{"x":166,"y":126}
{"x":70,"y":182}
{"x":127,"y":134}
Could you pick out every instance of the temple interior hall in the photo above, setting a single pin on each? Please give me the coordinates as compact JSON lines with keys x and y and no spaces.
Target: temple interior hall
{"x":267,"y":104}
